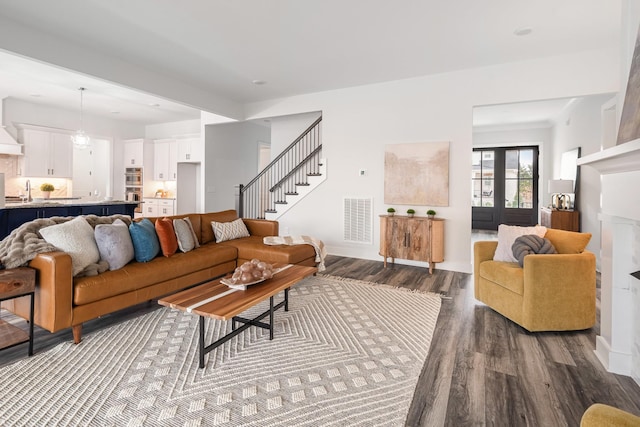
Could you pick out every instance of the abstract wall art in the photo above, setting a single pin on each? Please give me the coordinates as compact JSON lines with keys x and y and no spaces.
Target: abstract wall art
{"x":417,"y":174}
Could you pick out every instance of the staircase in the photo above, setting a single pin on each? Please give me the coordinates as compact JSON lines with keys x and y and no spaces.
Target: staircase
{"x":293,"y":174}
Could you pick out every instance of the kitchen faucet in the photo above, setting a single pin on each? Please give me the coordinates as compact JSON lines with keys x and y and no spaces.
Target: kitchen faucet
{"x":28,"y":190}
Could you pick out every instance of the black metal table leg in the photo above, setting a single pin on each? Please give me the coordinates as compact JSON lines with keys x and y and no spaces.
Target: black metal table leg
{"x":246,"y":323}
{"x":201,"y":343}
{"x":286,"y":299}
{"x":271,"y":318}
{"x":31,"y":325}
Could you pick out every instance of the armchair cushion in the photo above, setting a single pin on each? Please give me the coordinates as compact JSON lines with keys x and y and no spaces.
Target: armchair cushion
{"x":568,"y":242}
{"x":507,"y":235}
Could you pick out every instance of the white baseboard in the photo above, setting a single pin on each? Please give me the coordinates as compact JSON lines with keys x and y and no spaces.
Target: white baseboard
{"x":613,"y":361}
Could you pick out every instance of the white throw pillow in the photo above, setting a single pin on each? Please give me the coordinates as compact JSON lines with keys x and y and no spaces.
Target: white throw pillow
{"x":184,"y":235}
{"x":229,"y":230}
{"x":74,"y":237}
{"x":507,"y":235}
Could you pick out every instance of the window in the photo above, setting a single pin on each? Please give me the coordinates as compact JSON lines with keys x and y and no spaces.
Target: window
{"x":518,"y":179}
{"x":483,"y":178}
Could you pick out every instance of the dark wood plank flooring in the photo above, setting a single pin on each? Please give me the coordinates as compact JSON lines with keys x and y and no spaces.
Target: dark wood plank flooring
{"x":482,"y":369}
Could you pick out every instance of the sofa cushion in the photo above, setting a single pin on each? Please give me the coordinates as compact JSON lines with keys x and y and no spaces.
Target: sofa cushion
{"x":192,"y":228}
{"x":76,"y":238}
{"x":507,"y":234}
{"x":145,"y":240}
{"x":114,"y":244}
{"x":568,"y":242}
{"x":138,"y":275}
{"x":166,"y":236}
{"x":206,"y":231}
{"x":184,"y":235}
{"x":509,"y":275}
{"x":253,"y":247}
{"x":229,"y":230}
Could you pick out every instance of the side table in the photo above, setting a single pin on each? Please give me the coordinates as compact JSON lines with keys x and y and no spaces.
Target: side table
{"x":16,"y":283}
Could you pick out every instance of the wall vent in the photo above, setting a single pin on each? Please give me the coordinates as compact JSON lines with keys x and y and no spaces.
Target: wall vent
{"x":358,"y":220}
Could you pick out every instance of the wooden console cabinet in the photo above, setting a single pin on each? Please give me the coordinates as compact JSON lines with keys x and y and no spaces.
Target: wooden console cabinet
{"x":560,"y":219}
{"x":417,"y":238}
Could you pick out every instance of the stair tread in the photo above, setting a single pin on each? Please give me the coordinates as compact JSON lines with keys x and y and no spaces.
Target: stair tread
{"x":280,"y":203}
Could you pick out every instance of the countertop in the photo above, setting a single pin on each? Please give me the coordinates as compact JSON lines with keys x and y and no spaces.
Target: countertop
{"x":64,"y":202}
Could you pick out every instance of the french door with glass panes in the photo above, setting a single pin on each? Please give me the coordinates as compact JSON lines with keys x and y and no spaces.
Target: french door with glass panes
{"x":504,"y":187}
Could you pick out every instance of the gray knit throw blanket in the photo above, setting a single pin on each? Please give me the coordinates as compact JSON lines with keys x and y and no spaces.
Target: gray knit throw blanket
{"x":25,"y":242}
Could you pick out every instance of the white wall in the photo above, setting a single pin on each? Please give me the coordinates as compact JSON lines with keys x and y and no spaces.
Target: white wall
{"x":231,"y":158}
{"x":284,"y":130}
{"x":359,"y":121}
{"x":580,"y":126}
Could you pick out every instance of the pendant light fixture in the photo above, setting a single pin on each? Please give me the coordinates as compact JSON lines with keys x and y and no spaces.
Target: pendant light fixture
{"x":80,"y":139}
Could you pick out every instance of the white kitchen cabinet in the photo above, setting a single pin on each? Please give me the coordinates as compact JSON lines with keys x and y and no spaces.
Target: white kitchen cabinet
{"x":46,"y":154}
{"x":154,"y":207}
{"x":134,"y":153}
{"x":165,"y":165}
{"x":150,"y":208}
{"x":190,"y":150}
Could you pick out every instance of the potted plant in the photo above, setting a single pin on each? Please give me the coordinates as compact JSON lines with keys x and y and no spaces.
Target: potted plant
{"x":391,"y":211}
{"x":431,"y":213}
{"x":46,"y":189}
{"x":411,"y":212}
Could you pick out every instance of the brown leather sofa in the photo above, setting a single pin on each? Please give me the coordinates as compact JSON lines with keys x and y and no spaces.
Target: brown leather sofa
{"x":63,"y":301}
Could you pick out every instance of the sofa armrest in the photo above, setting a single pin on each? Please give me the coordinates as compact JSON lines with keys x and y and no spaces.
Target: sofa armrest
{"x":262,"y":227}
{"x":598,"y":415}
{"x":482,"y":251}
{"x":560,"y":286}
{"x":54,"y":290}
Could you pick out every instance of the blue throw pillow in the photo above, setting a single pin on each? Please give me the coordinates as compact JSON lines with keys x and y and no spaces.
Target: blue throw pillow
{"x":145,"y":240}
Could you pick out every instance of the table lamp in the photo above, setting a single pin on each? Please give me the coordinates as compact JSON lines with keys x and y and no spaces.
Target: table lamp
{"x":559,"y":189}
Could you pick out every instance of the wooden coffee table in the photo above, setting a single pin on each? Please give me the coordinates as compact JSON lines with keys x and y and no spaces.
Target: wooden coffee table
{"x":216,"y":300}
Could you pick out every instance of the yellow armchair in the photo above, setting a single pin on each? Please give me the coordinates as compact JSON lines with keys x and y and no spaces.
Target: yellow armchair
{"x":598,"y":415}
{"x":549,"y":293}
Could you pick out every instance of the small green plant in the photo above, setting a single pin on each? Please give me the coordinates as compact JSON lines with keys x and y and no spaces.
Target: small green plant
{"x":391,"y":210}
{"x":46,"y":187}
{"x":411,"y":211}
{"x":431,"y":212}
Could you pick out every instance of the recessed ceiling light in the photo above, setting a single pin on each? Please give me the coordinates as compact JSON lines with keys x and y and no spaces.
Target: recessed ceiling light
{"x":154,"y":105}
{"x":115,"y":112}
{"x":35,"y":95}
{"x":258,"y":82}
{"x":524,"y":31}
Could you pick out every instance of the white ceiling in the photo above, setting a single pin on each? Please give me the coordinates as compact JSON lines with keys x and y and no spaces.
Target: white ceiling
{"x":296,"y":46}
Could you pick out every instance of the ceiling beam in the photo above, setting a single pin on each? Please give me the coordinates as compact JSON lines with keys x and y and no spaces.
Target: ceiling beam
{"x":37,"y":45}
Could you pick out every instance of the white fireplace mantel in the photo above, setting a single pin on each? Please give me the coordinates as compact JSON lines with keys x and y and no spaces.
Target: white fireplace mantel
{"x":621,"y":158}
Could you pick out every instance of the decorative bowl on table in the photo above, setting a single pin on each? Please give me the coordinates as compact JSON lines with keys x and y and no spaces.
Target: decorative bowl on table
{"x":249,"y":273}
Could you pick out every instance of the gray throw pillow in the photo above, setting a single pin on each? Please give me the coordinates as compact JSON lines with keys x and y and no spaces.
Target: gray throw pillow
{"x":114,"y":244}
{"x":531,"y":244}
{"x":184,"y":235}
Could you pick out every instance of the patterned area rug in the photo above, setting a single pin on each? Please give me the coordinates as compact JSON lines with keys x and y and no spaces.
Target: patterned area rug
{"x":347,"y":353}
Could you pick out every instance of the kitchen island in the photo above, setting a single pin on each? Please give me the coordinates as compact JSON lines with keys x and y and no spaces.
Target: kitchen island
{"x":14,"y":215}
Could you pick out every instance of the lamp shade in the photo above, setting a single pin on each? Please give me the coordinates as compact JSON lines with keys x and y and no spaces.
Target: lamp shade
{"x":560,"y":186}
